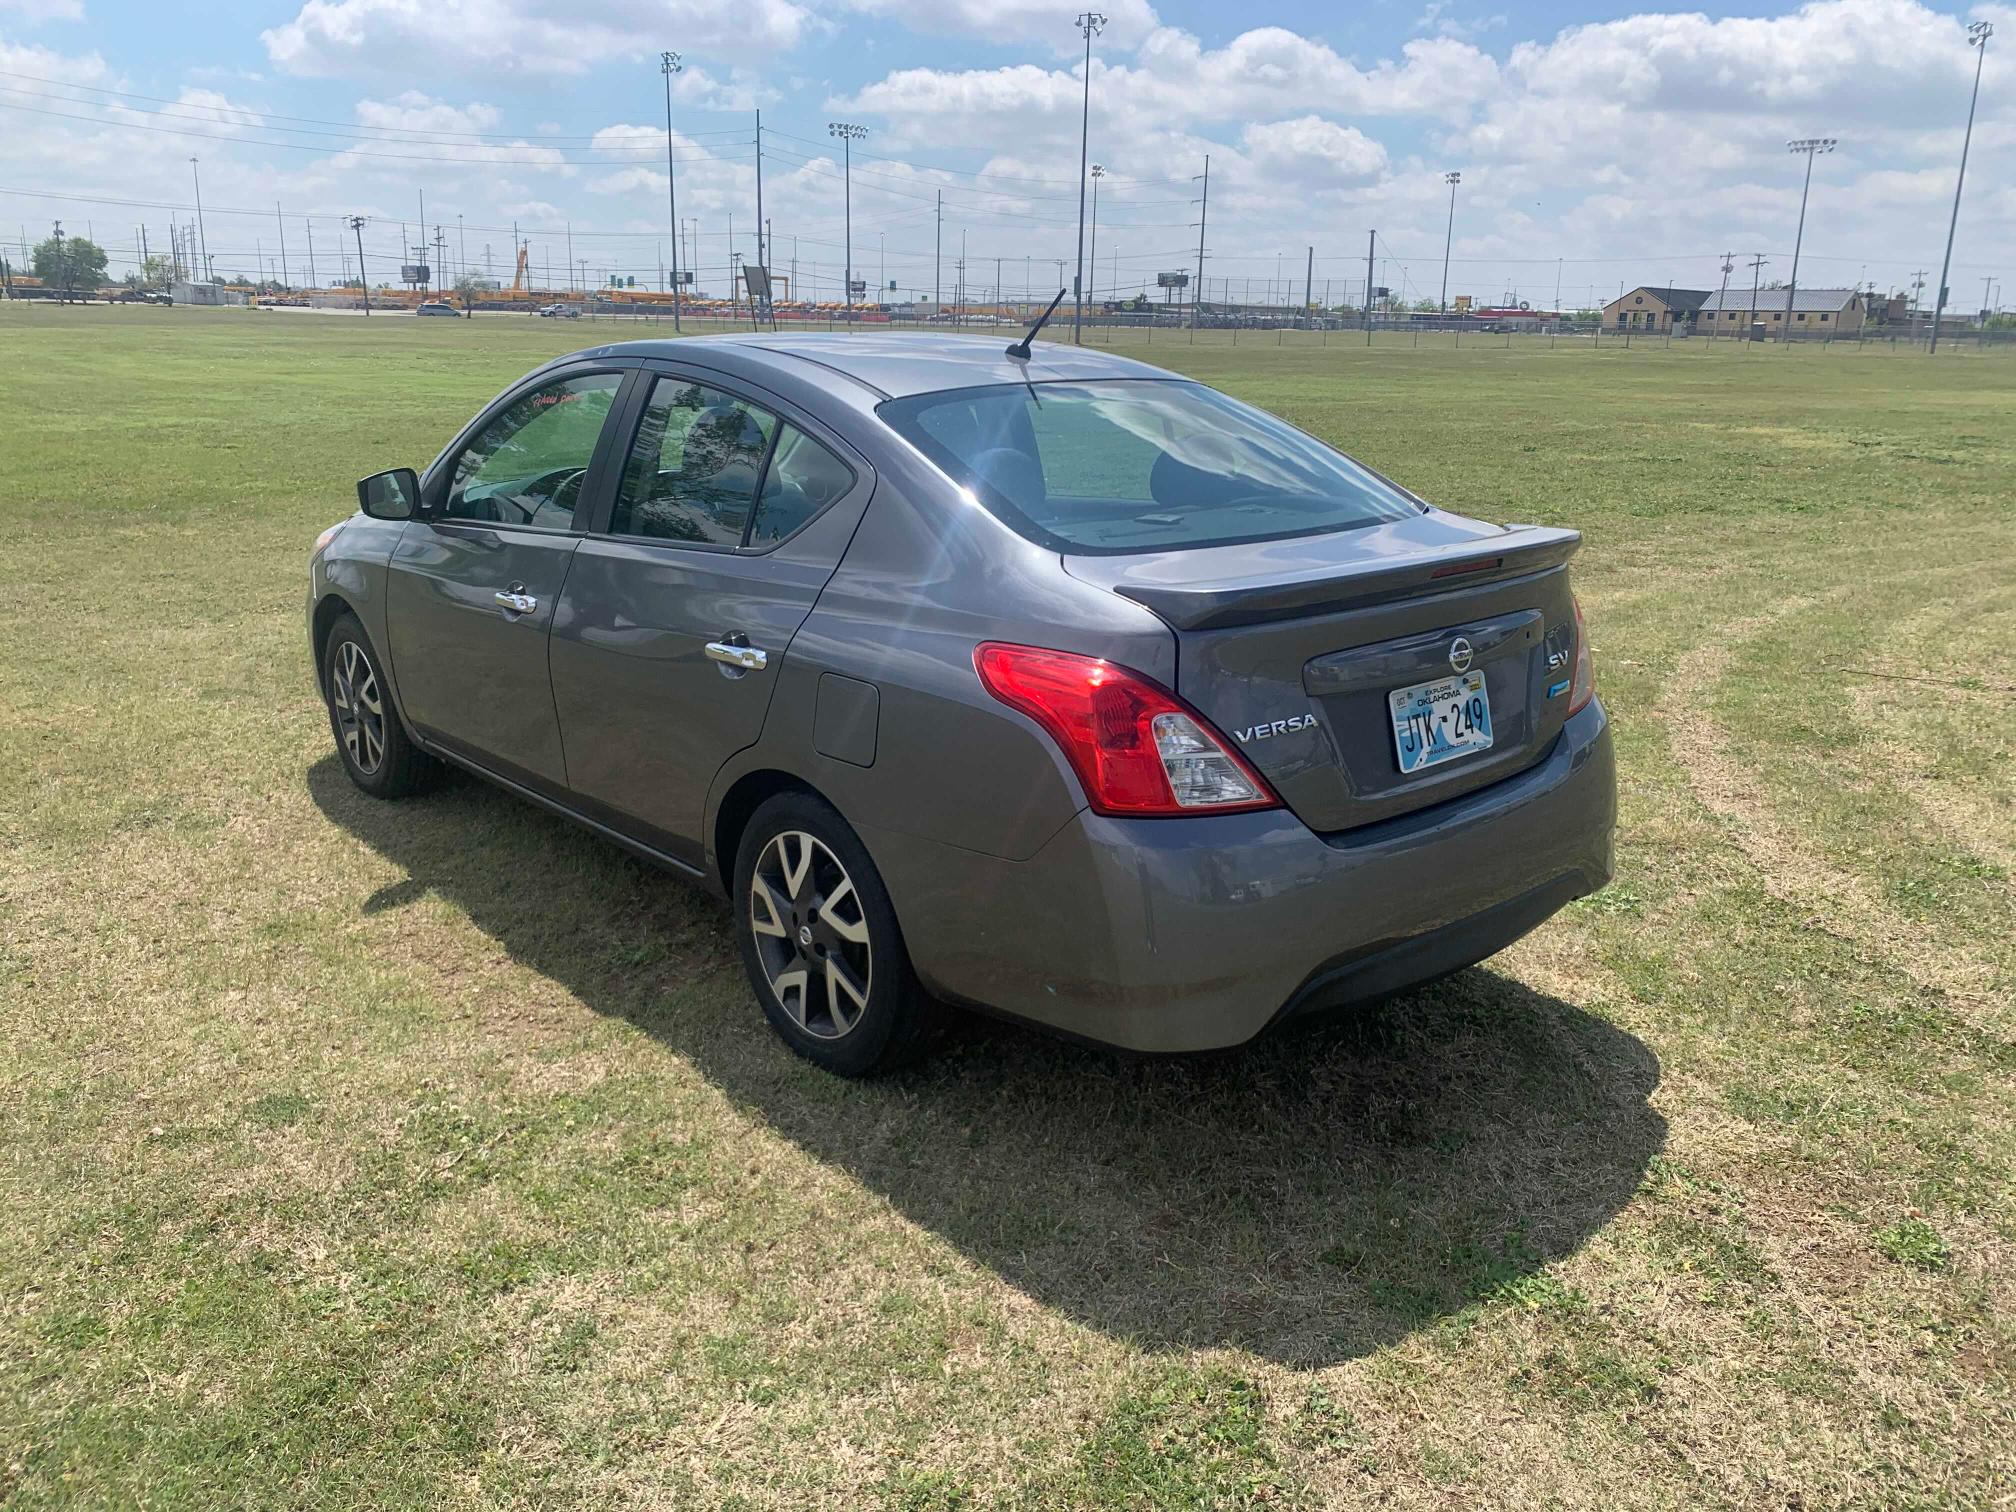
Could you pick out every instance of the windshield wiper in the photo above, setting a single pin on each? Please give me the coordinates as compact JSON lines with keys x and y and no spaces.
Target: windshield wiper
{"x":1020,"y":349}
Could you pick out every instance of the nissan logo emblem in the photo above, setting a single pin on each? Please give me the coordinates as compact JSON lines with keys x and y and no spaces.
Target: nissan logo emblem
{"x":1459,"y":655}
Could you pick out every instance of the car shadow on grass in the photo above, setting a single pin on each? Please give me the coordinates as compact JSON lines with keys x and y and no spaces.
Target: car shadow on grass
{"x":1314,"y":1197}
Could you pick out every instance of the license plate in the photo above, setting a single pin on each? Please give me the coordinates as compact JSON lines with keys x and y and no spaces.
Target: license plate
{"x":1434,"y":722}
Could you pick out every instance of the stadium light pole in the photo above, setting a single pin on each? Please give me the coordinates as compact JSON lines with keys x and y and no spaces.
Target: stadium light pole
{"x":1092,"y":262}
{"x":848,"y":134}
{"x":670,"y":64}
{"x":1812,"y":147}
{"x":1091,"y":23}
{"x":209,"y":273}
{"x":1977,"y":37}
{"x":1449,"y":236}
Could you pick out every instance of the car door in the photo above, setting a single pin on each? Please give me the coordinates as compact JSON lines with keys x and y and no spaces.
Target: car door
{"x":473,"y":583}
{"x":730,"y":512}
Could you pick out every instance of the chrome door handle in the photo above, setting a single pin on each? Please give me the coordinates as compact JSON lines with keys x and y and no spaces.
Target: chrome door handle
{"x":748,"y":658}
{"x":517,"y":603}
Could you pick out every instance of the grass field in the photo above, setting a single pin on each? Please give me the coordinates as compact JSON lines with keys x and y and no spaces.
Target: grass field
{"x":436,"y":1154}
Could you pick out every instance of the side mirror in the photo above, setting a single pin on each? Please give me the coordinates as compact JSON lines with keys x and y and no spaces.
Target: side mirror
{"x":393,"y":495}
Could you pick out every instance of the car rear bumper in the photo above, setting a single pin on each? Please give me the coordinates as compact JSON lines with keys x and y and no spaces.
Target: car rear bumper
{"x":1197,"y":934}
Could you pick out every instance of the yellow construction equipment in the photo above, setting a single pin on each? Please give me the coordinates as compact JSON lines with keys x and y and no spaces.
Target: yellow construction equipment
{"x":518,"y":283}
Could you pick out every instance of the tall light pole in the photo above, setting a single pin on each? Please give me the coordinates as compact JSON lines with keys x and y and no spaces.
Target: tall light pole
{"x":1812,"y":147}
{"x":1091,"y":23}
{"x":848,"y":133}
{"x":203,"y":236}
{"x":1449,"y":236}
{"x":670,"y":64}
{"x":1977,"y":37}
{"x":1092,"y":262}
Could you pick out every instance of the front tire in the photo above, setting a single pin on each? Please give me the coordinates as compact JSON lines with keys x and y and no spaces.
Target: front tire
{"x":375,"y":749}
{"x":820,"y":940}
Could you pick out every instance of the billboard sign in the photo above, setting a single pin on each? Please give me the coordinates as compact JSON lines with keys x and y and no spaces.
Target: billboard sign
{"x":757,"y":280}
{"x":1172,"y":280}
{"x":414,"y":273}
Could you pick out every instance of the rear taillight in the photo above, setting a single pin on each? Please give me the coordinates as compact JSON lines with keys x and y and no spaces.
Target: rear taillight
{"x":1583,"y":688}
{"x":1137,"y":748}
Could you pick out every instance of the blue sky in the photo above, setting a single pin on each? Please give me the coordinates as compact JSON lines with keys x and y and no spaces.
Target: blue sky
{"x":1597,"y":147}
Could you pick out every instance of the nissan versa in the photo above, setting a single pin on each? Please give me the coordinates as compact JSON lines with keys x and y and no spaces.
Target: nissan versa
{"x":1035,"y":679}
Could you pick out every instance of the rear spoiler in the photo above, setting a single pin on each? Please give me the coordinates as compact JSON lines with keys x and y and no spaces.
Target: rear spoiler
{"x":1214,"y":604}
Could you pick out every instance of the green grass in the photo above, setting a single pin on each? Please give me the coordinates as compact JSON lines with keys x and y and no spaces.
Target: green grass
{"x":434,"y":1154}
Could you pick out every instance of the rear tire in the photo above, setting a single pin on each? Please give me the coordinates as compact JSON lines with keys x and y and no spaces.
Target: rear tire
{"x":820,"y":941}
{"x":370,"y":739}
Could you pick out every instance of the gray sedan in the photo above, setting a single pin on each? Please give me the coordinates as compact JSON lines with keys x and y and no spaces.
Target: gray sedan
{"x":1053,"y":684}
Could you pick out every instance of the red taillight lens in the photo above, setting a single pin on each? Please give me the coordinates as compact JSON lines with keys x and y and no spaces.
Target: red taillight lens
{"x":1136,"y":747}
{"x":1584,"y":686}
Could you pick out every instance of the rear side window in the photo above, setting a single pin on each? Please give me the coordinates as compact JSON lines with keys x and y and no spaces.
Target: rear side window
{"x":804,"y":477}
{"x":694,"y":467}
{"x":1140,"y":465}
{"x":526,"y":466}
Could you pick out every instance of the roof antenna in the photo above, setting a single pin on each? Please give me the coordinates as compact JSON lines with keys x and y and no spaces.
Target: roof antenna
{"x":1020,"y":349}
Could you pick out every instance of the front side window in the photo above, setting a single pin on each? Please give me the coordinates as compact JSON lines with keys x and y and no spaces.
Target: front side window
{"x":1140,"y":465}
{"x":527,"y":465}
{"x":694,"y":467}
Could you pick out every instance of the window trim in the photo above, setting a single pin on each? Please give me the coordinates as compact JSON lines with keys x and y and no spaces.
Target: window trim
{"x":632,"y":421}
{"x":441,"y":474}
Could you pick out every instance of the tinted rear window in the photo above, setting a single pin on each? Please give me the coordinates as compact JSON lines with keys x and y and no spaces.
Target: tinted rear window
{"x":1140,"y":465}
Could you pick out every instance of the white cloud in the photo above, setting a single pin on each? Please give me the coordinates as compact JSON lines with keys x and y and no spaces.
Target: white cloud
{"x":1314,"y":154}
{"x":32,"y":11}
{"x":1174,"y":81}
{"x":1049,"y":24}
{"x":523,"y":37}
{"x":414,"y":111}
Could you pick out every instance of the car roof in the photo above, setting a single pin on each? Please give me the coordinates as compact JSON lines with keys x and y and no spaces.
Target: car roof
{"x":896,"y":363}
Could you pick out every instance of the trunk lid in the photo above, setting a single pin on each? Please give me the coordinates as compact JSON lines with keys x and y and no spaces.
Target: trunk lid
{"x":1291,"y":648}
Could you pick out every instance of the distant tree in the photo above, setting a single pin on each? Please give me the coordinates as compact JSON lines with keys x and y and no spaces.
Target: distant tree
{"x":157,"y":269}
{"x":1426,"y":307}
{"x":468,"y":286}
{"x":76,"y":264}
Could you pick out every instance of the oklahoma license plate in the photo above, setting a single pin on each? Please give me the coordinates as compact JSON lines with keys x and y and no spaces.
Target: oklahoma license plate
{"x":1434,"y":722}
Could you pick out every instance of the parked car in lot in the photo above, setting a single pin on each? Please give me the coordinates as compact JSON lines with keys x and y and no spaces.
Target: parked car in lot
{"x":1057,"y":685}
{"x":439,"y":307}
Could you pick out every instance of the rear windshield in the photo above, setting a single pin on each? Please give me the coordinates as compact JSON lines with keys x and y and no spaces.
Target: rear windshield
{"x":1140,"y":465}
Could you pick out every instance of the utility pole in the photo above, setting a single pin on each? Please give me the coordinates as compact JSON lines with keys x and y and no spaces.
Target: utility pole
{"x":1977,"y":38}
{"x":1371,"y":251}
{"x":461,"y":245}
{"x":1449,"y":236}
{"x":1203,"y":214}
{"x":209,"y":273}
{"x":1309,"y":284}
{"x":282,"y":224}
{"x":62,"y":269}
{"x":308,"y":225}
{"x":1722,"y":299}
{"x":363,"y":279}
{"x":570,"y":259}
{"x":1756,"y":266}
{"x":1091,"y":23}
{"x":1812,"y":147}
{"x":669,"y":62}
{"x":848,"y":134}
{"x":1092,"y":262}
{"x":762,"y":257}
{"x":938,"y":260}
